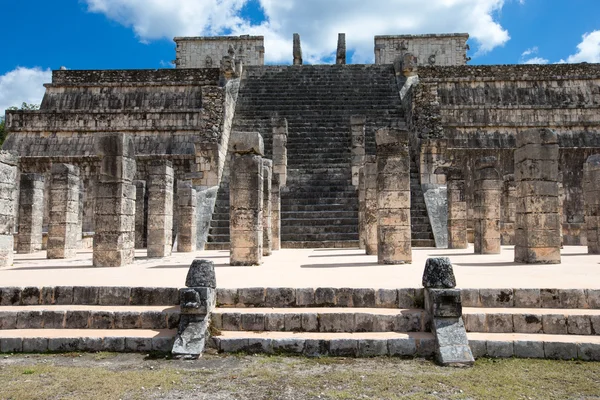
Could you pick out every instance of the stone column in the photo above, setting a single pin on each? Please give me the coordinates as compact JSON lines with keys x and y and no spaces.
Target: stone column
{"x":8,"y":204}
{"x":370,"y":217}
{"x":357,"y":132}
{"x":141,"y":215}
{"x":276,"y":212}
{"x":537,"y":235}
{"x":340,"y":57}
{"x":246,"y":199}
{"x":361,"y":208}
{"x":267,"y":207}
{"x":457,"y":209}
{"x":487,"y":191}
{"x":393,"y":197}
{"x":508,"y":210}
{"x":280,"y":131}
{"x":63,"y":220}
{"x":297,"y":51}
{"x":187,"y":229}
{"x":591,"y":196}
{"x":31,"y":213}
{"x":160,"y":208}
{"x":114,"y":236}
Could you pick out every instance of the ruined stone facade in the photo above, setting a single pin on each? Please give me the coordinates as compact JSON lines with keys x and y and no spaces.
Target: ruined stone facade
{"x":442,"y":50}
{"x":207,"y":51}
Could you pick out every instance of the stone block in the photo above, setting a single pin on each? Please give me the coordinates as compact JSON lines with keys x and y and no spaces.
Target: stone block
{"x":573,"y":298}
{"x":527,"y":323}
{"x":280,"y":297}
{"x":30,"y":296}
{"x":201,"y":274}
{"x":316,"y":348}
{"x":496,"y":297}
{"x":293,"y":322}
{"x":114,"y":295}
{"x":288,"y":346}
{"x":226,"y":297}
{"x":560,"y":350}
{"x":85,"y":295}
{"x":554,"y":324}
{"x":77,"y":319}
{"x":275,"y":322}
{"x":30,"y":320}
{"x":344,"y":297}
{"x":475,"y":322}
{"x":63,"y":345}
{"x":500,"y":349}
{"x":253,"y":322}
{"x":324,"y":297}
{"x":231,"y":322}
{"x":54,"y":319}
{"x":372,"y":348}
{"x":579,"y":325}
{"x":305,"y":297}
{"x":251,"y":297}
{"x":363,"y":298}
{"x":336,"y":322}
{"x":11,"y":345}
{"x":35,"y":345}
{"x":343,"y":347}
{"x":113,"y":344}
{"x":247,"y":143}
{"x":405,"y":347}
{"x":550,"y":298}
{"x":527,"y":298}
{"x":101,"y":320}
{"x":470,"y":297}
{"x":310,"y":322}
{"x":528,"y":349}
{"x":127,"y":320}
{"x":588,"y":351}
{"x":162,"y":344}
{"x":260,"y":346}
{"x":386,"y":298}
{"x":138,"y":345}
{"x":499,"y":323}
{"x":438,"y":273}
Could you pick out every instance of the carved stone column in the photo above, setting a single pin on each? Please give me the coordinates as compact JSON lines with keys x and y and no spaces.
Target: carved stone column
{"x":187,"y":229}
{"x":370,"y":218}
{"x":63,"y":220}
{"x":8,"y":204}
{"x":393,"y":197}
{"x":340,"y":57}
{"x":246,"y":199}
{"x":31,"y":213}
{"x":276,"y":212}
{"x":280,"y":132}
{"x":141,"y":214}
{"x":267,"y":208}
{"x":537,"y":235}
{"x":297,"y":51}
{"x":361,"y":208}
{"x":487,"y":192}
{"x":357,"y":133}
{"x":508,"y":210}
{"x":591,"y":195}
{"x":160,"y":208}
{"x":114,"y":236}
{"x":457,"y":209}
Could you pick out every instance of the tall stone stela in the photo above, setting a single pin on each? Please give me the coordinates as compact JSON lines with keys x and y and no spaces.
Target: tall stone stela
{"x":267,"y":208}
{"x":370,"y":213}
{"x":276,"y":212}
{"x":114,"y":236}
{"x":246,"y":199}
{"x":457,"y":209}
{"x":486,"y":197}
{"x":591,"y":195}
{"x":187,"y":228}
{"x":340,"y":57}
{"x":393,"y":197}
{"x":31,"y":213}
{"x":537,"y":234}
{"x":63,"y":212}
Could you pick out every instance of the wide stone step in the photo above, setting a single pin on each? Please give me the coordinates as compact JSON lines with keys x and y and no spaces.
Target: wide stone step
{"x":323,"y":244}
{"x":321,"y":319}
{"x":423,"y":243}
{"x":370,"y":344}
{"x":320,"y":222}
{"x":318,"y":208}
{"x":532,"y":320}
{"x":302,"y":229}
{"x":89,"y":317}
{"x":320,"y":200}
{"x":91,"y":340}
{"x":318,"y":237}
{"x":523,"y":345}
{"x":313,"y":215}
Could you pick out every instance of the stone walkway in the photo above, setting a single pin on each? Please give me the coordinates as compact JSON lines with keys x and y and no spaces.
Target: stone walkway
{"x":311,"y":268}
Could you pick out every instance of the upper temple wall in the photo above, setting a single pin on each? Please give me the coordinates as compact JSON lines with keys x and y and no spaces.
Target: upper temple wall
{"x":207,"y":52}
{"x":440,"y":49}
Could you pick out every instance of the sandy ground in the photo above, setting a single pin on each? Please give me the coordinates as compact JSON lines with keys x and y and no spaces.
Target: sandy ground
{"x":311,"y":268}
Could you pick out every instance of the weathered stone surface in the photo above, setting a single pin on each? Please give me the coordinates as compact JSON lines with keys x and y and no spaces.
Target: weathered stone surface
{"x":247,"y":143}
{"x":276,"y":212}
{"x":201,"y":274}
{"x":160,"y":208}
{"x":141,"y":214}
{"x":457,"y":209}
{"x":340,"y":56}
{"x":267,"y":207}
{"x":487,"y":192}
{"x":297,"y":50}
{"x":591,"y":182}
{"x":31,"y":213}
{"x":371,"y":212}
{"x":438,"y":273}
{"x":63,"y":223}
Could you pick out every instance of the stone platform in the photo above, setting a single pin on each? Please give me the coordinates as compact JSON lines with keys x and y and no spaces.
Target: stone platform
{"x":301,"y":268}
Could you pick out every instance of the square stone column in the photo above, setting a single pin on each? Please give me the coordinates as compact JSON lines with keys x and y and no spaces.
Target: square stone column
{"x":508,"y":210}
{"x":276,"y":212}
{"x":457,"y":209}
{"x":187,"y":229}
{"x":280,"y":132}
{"x":487,"y":190}
{"x":361,"y":208}
{"x":114,"y":236}
{"x":8,"y":204}
{"x":31,"y":213}
{"x":591,"y":196}
{"x":63,"y":216}
{"x":370,"y":216}
{"x":160,"y":208}
{"x":246,"y":191}
{"x":537,"y":234}
{"x":357,"y":133}
{"x":393,"y":197}
{"x":141,"y":214}
{"x":267,"y":207}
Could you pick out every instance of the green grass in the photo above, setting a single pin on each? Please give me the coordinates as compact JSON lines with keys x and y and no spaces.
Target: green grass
{"x":107,"y":376}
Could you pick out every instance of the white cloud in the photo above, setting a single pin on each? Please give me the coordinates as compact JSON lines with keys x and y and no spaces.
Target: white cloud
{"x":317,"y":21}
{"x":22,"y":85}
{"x":536,"y":60}
{"x":588,"y":50}
{"x":529,"y":57}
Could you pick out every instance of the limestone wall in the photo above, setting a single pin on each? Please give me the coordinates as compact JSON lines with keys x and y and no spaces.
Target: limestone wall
{"x":440,"y":49}
{"x":477,"y":111}
{"x":206,"y":52}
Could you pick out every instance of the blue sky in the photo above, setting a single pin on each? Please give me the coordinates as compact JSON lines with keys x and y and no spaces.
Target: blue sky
{"x":39,"y":35}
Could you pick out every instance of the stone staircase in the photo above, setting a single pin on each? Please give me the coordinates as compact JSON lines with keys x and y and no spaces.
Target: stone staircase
{"x":422,"y":234}
{"x":319,"y":205}
{"x":66,"y":319}
{"x":323,"y":321}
